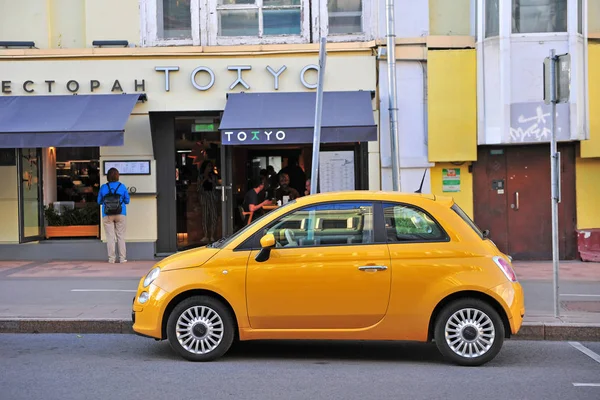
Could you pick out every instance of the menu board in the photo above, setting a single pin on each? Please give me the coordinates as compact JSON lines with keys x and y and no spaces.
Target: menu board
{"x":336,"y":171}
{"x":137,"y":167}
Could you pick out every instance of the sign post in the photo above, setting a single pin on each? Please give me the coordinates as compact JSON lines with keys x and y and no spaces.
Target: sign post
{"x":557,"y":79}
{"x":314,"y":175}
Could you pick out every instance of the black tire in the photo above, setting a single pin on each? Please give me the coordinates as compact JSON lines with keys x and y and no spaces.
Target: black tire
{"x":215,"y":311}
{"x":470,"y":333}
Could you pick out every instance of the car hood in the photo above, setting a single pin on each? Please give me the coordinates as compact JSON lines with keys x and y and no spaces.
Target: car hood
{"x":188,"y":259}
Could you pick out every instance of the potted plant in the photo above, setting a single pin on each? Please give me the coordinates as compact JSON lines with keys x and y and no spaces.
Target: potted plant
{"x":76,"y":222}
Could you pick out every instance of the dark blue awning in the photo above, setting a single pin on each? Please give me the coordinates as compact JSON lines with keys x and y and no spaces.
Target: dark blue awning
{"x":288,"y":118}
{"x":64,"y":121}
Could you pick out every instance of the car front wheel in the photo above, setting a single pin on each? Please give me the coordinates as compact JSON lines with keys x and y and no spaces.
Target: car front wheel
{"x":200,"y":328}
{"x":469,"y":332}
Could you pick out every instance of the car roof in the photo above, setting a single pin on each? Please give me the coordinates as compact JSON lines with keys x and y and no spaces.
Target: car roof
{"x":376,"y":195}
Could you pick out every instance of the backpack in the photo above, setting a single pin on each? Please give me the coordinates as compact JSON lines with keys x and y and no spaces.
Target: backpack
{"x":112,"y":202}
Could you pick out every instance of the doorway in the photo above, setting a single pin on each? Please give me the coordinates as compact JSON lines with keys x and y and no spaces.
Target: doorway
{"x":198,"y":175}
{"x":31,"y":207}
{"x":512,"y":200}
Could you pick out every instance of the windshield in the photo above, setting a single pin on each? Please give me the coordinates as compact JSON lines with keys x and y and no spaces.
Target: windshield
{"x":219,"y":244}
{"x":468,"y":220}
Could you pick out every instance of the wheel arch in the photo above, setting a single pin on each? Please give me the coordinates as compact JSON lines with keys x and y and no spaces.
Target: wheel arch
{"x":472,"y":294}
{"x":191,"y":293}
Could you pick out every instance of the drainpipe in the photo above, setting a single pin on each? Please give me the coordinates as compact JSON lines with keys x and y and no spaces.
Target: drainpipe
{"x":393,"y":108}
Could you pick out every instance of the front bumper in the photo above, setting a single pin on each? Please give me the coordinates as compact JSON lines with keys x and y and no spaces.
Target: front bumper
{"x":147,"y":317}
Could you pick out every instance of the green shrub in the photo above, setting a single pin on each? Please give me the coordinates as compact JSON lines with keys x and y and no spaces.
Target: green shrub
{"x":88,"y":215}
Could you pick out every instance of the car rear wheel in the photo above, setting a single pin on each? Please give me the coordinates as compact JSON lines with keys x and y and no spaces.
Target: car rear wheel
{"x":200,"y":328}
{"x":469,"y":332}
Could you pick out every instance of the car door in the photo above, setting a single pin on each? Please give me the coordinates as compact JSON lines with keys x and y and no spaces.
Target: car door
{"x":329,"y":270}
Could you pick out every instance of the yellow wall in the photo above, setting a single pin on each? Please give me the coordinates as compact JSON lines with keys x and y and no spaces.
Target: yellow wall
{"x":450,"y":17}
{"x":452,"y":105}
{"x":588,"y":192}
{"x":25,"y":20}
{"x":112,"y":20}
{"x":67,"y":24}
{"x":464,"y":198}
{"x":591,"y":147}
{"x":594,"y":16}
{"x":9,"y":205}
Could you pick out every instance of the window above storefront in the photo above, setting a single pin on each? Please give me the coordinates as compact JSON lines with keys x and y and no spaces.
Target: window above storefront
{"x":231,"y":22}
{"x":539,"y":16}
{"x":531,"y":17}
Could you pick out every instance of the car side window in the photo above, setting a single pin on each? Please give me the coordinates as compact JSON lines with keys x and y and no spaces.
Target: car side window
{"x":404,"y":223}
{"x":340,"y":223}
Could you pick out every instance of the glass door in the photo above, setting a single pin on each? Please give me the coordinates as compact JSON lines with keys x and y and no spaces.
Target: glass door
{"x":31,"y":207}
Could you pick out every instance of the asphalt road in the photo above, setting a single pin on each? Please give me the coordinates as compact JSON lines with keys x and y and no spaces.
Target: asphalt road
{"x":129,"y":367}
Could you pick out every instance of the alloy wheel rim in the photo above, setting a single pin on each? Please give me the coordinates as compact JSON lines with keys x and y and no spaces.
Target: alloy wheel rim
{"x":470,"y":333}
{"x":199,"y":329}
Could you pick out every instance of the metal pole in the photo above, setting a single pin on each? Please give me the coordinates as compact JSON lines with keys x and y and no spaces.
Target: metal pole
{"x":393,"y":109}
{"x":318,"y":112}
{"x":554,"y":172}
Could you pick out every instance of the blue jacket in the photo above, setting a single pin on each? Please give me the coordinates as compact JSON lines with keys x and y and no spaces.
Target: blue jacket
{"x":122,"y":190}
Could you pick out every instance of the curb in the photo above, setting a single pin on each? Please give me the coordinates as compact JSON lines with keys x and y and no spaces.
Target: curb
{"x":529,"y":331}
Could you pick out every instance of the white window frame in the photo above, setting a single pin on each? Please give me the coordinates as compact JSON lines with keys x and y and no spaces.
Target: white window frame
{"x":320,"y":23}
{"x":216,"y":39}
{"x":205,"y":26}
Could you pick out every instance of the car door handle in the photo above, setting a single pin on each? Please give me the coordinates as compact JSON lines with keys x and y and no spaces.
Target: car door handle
{"x":372,"y":268}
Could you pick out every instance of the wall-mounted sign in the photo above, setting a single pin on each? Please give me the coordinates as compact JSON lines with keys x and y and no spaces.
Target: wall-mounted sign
{"x":94,"y":85}
{"x":132,"y":167}
{"x":451,"y":180}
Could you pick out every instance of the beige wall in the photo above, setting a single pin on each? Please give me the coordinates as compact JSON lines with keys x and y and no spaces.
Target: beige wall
{"x":594,"y":17}
{"x":449,"y":17}
{"x":49,"y":175}
{"x":67,"y":24}
{"x":141,"y":212}
{"x":112,"y":20}
{"x":9,"y":205}
{"x":25,"y":20}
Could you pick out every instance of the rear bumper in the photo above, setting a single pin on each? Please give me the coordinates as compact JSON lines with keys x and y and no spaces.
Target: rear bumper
{"x":513,"y":303}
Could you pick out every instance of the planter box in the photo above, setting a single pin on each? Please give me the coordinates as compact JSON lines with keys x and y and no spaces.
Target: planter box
{"x":73,"y":231}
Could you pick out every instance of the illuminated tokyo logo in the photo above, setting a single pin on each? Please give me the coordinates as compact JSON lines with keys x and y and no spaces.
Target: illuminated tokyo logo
{"x":250,"y":136}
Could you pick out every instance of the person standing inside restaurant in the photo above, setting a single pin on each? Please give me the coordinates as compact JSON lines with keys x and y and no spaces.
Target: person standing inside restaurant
{"x":285,"y":192}
{"x":207,"y":185}
{"x":113,"y":198}
{"x":296,"y":175}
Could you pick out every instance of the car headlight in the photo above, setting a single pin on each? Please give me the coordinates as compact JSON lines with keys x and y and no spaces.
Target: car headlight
{"x":151,"y":276}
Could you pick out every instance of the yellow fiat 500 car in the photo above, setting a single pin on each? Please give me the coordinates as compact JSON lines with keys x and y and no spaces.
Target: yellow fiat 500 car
{"x":345,"y":266}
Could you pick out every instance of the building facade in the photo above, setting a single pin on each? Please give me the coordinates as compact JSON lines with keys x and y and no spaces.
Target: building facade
{"x":472,"y":122}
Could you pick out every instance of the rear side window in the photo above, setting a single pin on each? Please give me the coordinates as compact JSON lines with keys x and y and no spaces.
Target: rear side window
{"x":468,"y":220}
{"x":404,"y":223}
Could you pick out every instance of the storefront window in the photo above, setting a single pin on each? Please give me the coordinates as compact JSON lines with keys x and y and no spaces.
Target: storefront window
{"x":242,"y":17}
{"x":492,"y":18}
{"x":77,"y":174}
{"x":345,"y":16}
{"x":539,"y":16}
{"x":174,"y":19}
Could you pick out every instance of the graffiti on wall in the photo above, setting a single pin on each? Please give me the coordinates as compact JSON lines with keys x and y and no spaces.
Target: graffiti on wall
{"x":532,"y":122}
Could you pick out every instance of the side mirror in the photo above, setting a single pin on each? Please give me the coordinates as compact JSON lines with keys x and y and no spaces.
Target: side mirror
{"x":486,"y":234}
{"x":267,"y":242}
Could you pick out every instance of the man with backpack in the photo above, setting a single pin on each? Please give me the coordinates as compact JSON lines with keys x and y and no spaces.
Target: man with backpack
{"x":113,"y":197}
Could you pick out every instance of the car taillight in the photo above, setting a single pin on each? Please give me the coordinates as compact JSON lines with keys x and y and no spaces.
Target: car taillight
{"x":506,"y":268}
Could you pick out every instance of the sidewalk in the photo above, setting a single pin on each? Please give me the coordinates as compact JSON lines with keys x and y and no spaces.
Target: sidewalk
{"x":52,"y":308}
